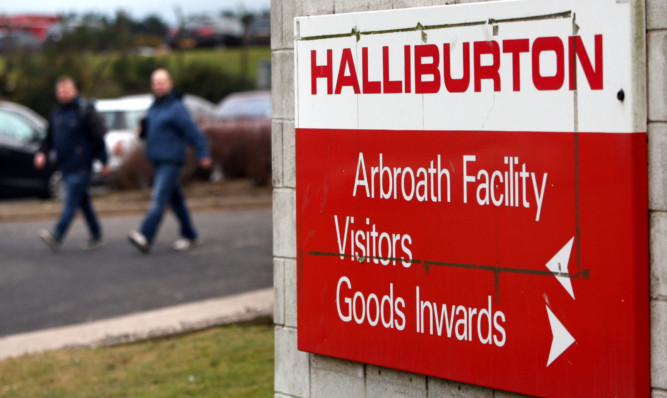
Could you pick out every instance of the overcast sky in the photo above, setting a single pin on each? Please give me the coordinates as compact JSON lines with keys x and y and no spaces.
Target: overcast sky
{"x":137,"y":9}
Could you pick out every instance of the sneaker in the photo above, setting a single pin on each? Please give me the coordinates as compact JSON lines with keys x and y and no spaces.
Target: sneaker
{"x":185,"y":244}
{"x":92,"y":244}
{"x":50,"y":239}
{"x":139,"y":241}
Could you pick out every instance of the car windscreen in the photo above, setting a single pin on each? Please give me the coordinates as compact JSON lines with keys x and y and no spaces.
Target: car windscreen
{"x":14,"y":127}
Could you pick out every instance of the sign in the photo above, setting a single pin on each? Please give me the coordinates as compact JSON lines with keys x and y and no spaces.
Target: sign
{"x":472,"y":194}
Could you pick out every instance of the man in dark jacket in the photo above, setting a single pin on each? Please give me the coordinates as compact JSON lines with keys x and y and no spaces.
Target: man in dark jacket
{"x":71,"y":134}
{"x":168,"y":128}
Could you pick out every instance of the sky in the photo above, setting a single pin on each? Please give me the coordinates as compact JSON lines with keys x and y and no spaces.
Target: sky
{"x":136,"y":9}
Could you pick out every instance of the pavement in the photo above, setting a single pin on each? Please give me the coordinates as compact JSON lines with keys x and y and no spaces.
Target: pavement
{"x":178,"y":319}
{"x":145,"y":325}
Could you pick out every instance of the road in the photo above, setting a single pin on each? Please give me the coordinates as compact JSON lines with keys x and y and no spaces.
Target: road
{"x":40,"y":289}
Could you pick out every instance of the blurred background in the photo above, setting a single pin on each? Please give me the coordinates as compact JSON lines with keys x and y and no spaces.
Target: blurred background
{"x":217,"y":52}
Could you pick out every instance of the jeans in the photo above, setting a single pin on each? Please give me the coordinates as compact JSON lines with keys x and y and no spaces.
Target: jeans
{"x":167,"y":191}
{"x":77,"y":196}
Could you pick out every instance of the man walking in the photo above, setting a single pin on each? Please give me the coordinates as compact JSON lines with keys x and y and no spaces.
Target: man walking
{"x":73,"y":132}
{"x":167,"y":129}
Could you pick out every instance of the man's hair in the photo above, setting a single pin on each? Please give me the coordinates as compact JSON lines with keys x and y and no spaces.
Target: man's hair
{"x":65,"y":79}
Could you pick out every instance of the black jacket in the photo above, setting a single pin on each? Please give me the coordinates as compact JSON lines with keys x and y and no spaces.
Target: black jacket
{"x":69,"y":134}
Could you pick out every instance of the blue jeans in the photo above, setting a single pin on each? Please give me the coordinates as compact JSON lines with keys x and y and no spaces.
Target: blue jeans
{"x":77,"y":196}
{"x":167,"y":191}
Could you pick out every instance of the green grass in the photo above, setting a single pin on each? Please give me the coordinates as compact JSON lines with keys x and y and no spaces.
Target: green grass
{"x":229,"y":59}
{"x":234,"y":61}
{"x":97,"y":75}
{"x":230,"y":361}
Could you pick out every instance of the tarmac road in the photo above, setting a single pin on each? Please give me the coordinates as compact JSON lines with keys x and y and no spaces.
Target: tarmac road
{"x":40,"y":289}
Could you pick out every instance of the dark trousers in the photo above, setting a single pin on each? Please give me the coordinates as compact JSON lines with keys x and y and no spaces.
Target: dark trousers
{"x":77,"y":196}
{"x":167,"y":191}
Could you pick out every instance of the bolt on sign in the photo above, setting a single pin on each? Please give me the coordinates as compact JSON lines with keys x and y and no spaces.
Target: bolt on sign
{"x":472,"y":193}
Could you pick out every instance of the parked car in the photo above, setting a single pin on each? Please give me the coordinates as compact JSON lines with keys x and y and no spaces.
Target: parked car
{"x":18,"y":41}
{"x":206,"y":31}
{"x":122,"y":117}
{"x":240,"y":136}
{"x":21,"y":133}
{"x":259,"y":32}
{"x":58,"y":30}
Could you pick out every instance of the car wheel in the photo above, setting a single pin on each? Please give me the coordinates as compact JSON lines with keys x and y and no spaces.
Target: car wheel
{"x":56,"y":186}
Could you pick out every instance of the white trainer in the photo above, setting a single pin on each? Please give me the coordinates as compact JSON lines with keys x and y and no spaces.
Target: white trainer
{"x":51,"y":241}
{"x":185,"y":244}
{"x":139,"y":241}
{"x":94,"y":244}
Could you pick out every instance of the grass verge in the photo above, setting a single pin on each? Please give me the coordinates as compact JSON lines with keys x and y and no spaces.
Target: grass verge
{"x":228,"y":361}
{"x":229,"y":59}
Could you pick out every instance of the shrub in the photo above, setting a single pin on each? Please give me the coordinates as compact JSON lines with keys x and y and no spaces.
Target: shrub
{"x":137,"y":172}
{"x":242,"y":148}
{"x":209,"y":81}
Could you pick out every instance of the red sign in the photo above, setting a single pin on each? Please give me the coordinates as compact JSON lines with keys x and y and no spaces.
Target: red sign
{"x":509,"y":258}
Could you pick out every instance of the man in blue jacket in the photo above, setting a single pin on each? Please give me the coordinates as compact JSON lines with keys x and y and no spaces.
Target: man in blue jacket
{"x":71,"y":133}
{"x":168,"y":128}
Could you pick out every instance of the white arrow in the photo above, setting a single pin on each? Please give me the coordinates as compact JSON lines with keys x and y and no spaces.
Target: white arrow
{"x":559,"y":264}
{"x":562,"y":338}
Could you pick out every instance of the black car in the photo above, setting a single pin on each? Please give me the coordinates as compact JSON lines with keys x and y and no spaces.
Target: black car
{"x":21,"y":132}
